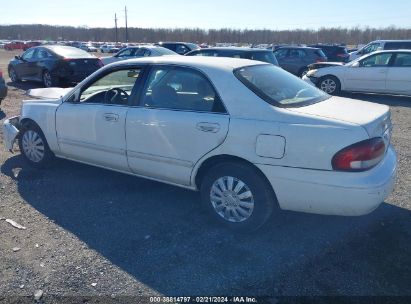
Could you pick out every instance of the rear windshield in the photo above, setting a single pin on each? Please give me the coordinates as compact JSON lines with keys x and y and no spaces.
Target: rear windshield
{"x":264,"y":57}
{"x":70,"y":52}
{"x":320,"y":53}
{"x":279,"y":87}
{"x":165,"y":51}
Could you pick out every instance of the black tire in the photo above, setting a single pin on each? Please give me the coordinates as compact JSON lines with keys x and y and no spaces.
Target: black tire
{"x":302,"y":72}
{"x":48,"y":156}
{"x":49,"y":80}
{"x":327,"y":81}
{"x":262,"y":195}
{"x":13,"y":75}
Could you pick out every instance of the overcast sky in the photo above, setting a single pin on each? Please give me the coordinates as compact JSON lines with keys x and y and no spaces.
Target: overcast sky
{"x":256,"y":14}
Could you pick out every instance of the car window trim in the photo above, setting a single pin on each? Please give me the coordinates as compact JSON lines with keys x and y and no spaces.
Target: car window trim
{"x":173,"y":66}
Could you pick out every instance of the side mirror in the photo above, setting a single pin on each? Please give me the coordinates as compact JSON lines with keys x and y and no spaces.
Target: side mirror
{"x":356,"y":64}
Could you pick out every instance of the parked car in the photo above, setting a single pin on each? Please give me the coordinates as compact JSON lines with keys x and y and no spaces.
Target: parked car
{"x":379,"y":72}
{"x":136,"y":52}
{"x":88,"y":47}
{"x":334,"y":53}
{"x":109,"y":48}
{"x":14,"y":45}
{"x":237,"y":52}
{"x":248,"y":135}
{"x":53,"y":64}
{"x":296,"y":59}
{"x":180,"y":48}
{"x":380,"y":45}
{"x":30,"y":44}
{"x":3,"y":87}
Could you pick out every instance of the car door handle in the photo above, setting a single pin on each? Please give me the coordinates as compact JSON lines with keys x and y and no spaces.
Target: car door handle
{"x":208,"y":127}
{"x":111,"y":117}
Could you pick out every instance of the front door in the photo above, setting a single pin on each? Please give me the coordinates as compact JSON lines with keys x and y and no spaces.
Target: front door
{"x":179,"y":119}
{"x":91,"y":126}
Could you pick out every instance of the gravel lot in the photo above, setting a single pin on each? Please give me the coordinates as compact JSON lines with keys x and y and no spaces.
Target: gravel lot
{"x":95,"y":232}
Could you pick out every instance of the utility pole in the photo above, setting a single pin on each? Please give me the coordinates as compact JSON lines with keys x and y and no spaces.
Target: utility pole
{"x":125,"y":11}
{"x":115,"y":22}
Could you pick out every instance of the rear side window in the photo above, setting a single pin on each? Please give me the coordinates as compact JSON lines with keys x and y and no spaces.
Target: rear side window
{"x":297,"y":53}
{"x":180,"y":89}
{"x":397,"y":45}
{"x":403,"y":60}
{"x":279,"y":87}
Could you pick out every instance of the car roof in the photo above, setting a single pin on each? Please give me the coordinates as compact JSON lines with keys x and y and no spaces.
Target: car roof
{"x":297,"y":47}
{"x":392,"y":51}
{"x":218,"y":63}
{"x":243,"y":49}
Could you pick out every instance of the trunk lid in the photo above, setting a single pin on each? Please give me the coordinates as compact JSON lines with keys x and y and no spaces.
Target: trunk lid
{"x":374,"y":118}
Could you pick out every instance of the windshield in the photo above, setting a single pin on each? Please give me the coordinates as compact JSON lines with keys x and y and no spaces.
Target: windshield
{"x":279,"y":87}
{"x":265,"y":57}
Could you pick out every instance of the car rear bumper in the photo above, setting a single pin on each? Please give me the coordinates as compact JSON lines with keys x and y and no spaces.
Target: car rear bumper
{"x":10,"y":131}
{"x":332,"y":192}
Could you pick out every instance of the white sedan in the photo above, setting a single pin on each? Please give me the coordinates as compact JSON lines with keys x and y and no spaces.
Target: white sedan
{"x":380,"y":72}
{"x":133,"y":52}
{"x":248,"y":135}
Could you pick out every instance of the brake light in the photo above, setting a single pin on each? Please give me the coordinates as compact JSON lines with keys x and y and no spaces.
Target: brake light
{"x":360,"y":156}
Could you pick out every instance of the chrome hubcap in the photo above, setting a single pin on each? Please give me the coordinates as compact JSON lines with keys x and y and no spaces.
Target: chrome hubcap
{"x":33,"y":146}
{"x":13,"y":75}
{"x":47,"y":79}
{"x":328,"y":86}
{"x":232,"y":199}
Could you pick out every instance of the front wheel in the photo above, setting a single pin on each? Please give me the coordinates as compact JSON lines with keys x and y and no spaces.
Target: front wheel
{"x":238,"y":196}
{"x":13,"y":75}
{"x":34,"y":147}
{"x":330,"y":85}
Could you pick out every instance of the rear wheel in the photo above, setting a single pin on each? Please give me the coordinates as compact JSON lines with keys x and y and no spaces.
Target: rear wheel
{"x":330,"y":85}
{"x":49,"y":80}
{"x":13,"y":75}
{"x":34,"y":147}
{"x":238,"y":196}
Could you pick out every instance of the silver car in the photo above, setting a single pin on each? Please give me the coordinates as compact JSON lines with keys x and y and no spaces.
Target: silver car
{"x":137,"y":52}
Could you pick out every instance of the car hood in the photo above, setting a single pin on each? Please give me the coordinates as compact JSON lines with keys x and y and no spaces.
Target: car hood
{"x":48,"y":93}
{"x":375,"y":118}
{"x":320,"y":65}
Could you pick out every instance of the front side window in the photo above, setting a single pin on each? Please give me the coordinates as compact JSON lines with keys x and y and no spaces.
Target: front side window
{"x":280,"y":54}
{"x":113,"y":88}
{"x":370,"y":48}
{"x":279,"y":87}
{"x":378,"y":60}
{"x":126,"y":53}
{"x":180,"y":89}
{"x":28,"y":54}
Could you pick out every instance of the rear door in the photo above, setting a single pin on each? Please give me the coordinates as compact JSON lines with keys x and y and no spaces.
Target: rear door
{"x":370,"y":75}
{"x":399,"y":74}
{"x":180,"y":118}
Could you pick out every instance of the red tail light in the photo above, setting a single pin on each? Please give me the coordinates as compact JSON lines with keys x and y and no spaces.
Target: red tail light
{"x":1,"y":73}
{"x":360,"y":156}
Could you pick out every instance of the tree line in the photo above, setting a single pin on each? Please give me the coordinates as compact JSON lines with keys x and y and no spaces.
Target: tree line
{"x":351,"y":36}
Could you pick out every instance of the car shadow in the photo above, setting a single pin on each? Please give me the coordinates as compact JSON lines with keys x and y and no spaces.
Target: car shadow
{"x":389,"y":100}
{"x":158,"y":234}
{"x":2,"y":114}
